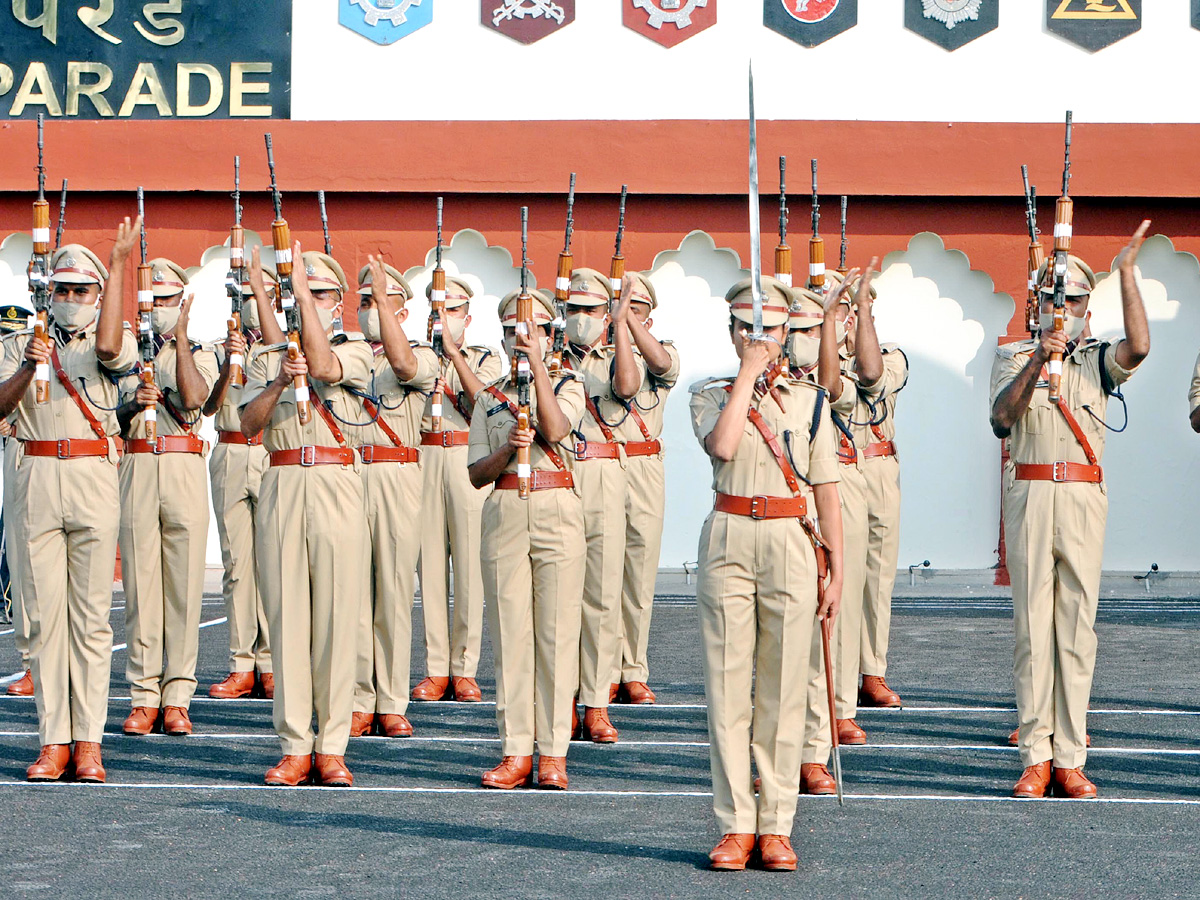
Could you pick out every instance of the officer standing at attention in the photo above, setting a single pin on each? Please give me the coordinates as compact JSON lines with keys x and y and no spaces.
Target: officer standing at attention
{"x":1055,"y":511}
{"x":164,"y":513}
{"x":451,"y":510}
{"x":67,"y":480}
{"x":774,"y":452}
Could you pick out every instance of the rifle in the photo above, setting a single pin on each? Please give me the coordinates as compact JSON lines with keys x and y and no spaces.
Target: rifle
{"x":281,"y":237}
{"x":145,"y":303}
{"x":783,"y":253}
{"x":437,"y":316}
{"x":842,"y":258}
{"x":816,"y":244}
{"x":39,"y":270}
{"x":62,"y":216}
{"x":616,"y":269}
{"x":337,"y":323}
{"x":562,"y":284}
{"x":233,"y":281}
{"x":521,"y":373}
{"x":1064,"y":213}
{"x":1036,"y":255}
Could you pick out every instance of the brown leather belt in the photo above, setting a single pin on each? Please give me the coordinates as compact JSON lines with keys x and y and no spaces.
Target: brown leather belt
{"x":642,"y":448}
{"x":166,"y":443}
{"x":597,"y":450}
{"x":236,"y":437}
{"x":762,"y":507}
{"x":373,"y":453}
{"x":539,"y":481}
{"x":882,"y":448}
{"x":445,"y":438}
{"x":1060,"y":472}
{"x":309,"y":455}
{"x":70,"y":448}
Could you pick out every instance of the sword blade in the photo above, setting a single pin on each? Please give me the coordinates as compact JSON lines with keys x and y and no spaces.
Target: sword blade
{"x":837,"y":774}
{"x":755,"y":229}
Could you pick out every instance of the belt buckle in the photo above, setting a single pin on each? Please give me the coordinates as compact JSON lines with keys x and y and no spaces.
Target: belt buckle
{"x":308,"y":455}
{"x":159,"y":446}
{"x":367,"y":454}
{"x":758,"y":506}
{"x":581,"y":450}
{"x":1059,"y":472}
{"x":63,"y":448}
{"x":446,"y":438}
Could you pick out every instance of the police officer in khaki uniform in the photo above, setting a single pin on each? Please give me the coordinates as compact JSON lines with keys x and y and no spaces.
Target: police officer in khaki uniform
{"x":611,"y":377}
{"x":646,"y":496}
{"x":236,"y":469}
{"x":311,"y":520}
{"x":392,"y":481}
{"x":530,"y":554}
{"x":1055,"y":509}
{"x":757,"y":577}
{"x":68,"y":478}
{"x":13,"y":334}
{"x":164,"y":513}
{"x":451,"y":510}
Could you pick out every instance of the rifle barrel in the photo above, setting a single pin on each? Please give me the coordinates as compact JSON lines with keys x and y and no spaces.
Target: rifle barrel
{"x":783,"y":210}
{"x":1067,"y":161}
{"x":237,"y":190}
{"x":41,"y":121}
{"x":275,"y":198}
{"x":816,"y":204}
{"x":570,"y":214}
{"x":62,"y":215}
{"x":621,"y":220}
{"x":141,"y":201}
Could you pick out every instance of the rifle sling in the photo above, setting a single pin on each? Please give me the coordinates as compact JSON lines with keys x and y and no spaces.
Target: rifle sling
{"x":537,"y":437}
{"x":324,"y":413}
{"x":373,"y":411}
{"x":97,"y":428}
{"x":1076,"y":430}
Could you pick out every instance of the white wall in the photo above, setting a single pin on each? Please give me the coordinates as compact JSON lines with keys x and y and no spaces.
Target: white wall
{"x":598,"y":69}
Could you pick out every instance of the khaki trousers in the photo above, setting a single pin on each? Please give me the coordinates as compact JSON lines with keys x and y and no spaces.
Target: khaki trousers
{"x":533,"y":585}
{"x":883,"y":550}
{"x":163,"y":537}
{"x":756,"y":593}
{"x":847,"y":627}
{"x":236,"y":472}
{"x":312,"y":558}
{"x":451,"y":510}
{"x":14,"y":547}
{"x":645,"y":502}
{"x":71,"y":529}
{"x":602,"y":485}
{"x":1054,"y":534}
{"x":392,"y":497}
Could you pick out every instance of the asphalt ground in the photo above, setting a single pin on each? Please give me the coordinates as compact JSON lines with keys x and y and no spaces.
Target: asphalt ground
{"x":927,"y":811}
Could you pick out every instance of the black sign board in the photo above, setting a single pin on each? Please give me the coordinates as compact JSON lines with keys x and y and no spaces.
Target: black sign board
{"x":951,"y":23}
{"x":1093,"y":24}
{"x":810,"y":22}
{"x":175,"y":59}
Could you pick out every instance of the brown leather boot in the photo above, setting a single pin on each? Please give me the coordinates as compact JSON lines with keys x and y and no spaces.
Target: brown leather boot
{"x":395,"y":725}
{"x":597,"y":726}
{"x":850,"y":733}
{"x":637,"y":692}
{"x":88,"y":766}
{"x":875,"y":692}
{"x":815,"y":779}
{"x":53,"y":763}
{"x":552,"y":773}
{"x":266,"y":684}
{"x":175,"y":721}
{"x":1073,"y":784}
{"x":776,"y":853}
{"x":22,"y":687}
{"x":360,"y":723}
{"x":732,"y":852}
{"x":613,"y":690}
{"x":332,"y":771}
{"x":513,"y":772}
{"x":142,"y":720}
{"x":290,"y":771}
{"x":431,"y":687}
{"x":1033,"y":781}
{"x":466,"y":690}
{"x":235,"y":685}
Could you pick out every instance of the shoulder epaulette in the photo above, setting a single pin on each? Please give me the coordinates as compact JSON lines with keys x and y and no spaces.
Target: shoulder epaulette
{"x":705,"y":383}
{"x":889,"y":348}
{"x":8,"y":335}
{"x":1014,"y":348}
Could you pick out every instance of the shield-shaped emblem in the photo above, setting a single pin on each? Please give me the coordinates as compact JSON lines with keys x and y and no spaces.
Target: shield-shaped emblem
{"x":951,"y":23}
{"x":1093,"y":24}
{"x":527,"y":20}
{"x":385,"y":21}
{"x":669,"y":22}
{"x":810,"y":22}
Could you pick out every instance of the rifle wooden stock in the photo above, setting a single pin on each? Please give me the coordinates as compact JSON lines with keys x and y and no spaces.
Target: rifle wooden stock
{"x":1037,"y":256}
{"x":145,"y":301}
{"x":237,"y":262}
{"x":783,"y":253}
{"x":1064,"y":211}
{"x":41,"y":376}
{"x":562,"y":293}
{"x":437,"y":317}
{"x":39,"y":286}
{"x":281,"y":237}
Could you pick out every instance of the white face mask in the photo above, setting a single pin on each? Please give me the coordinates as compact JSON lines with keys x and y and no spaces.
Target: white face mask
{"x":803,"y":349}
{"x":368,"y":324}
{"x":163,"y":319}
{"x":584,"y":330}
{"x":72,"y":316}
{"x":455,"y":327}
{"x":1072,"y":325}
{"x":326,"y":316}
{"x":250,"y":313}
{"x":839,"y":331}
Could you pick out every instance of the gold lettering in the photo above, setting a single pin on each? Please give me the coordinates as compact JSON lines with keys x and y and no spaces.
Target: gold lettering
{"x":36,"y":76}
{"x":183,"y":89}
{"x":92,"y":90}
{"x":152,"y":12}
{"x":47,"y":21}
{"x":6,"y":79}
{"x":94,"y":18}
{"x":239,"y":87}
{"x":145,"y":90}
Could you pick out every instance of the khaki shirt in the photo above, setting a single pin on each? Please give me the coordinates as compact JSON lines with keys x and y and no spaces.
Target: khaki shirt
{"x":399,"y":403}
{"x":284,"y":431}
{"x":874,"y":407}
{"x":492,"y":420}
{"x":754,"y":470}
{"x":596,"y":367}
{"x":1194,"y":390}
{"x":487,"y":366}
{"x":1041,"y":435}
{"x":228,"y":417}
{"x":93,"y":379}
{"x":651,"y":400}
{"x":167,"y":382}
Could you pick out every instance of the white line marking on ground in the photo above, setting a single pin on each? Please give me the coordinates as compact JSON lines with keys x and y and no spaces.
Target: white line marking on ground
{"x":118,"y":647}
{"x":15,"y":676}
{"x":10,"y":631}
